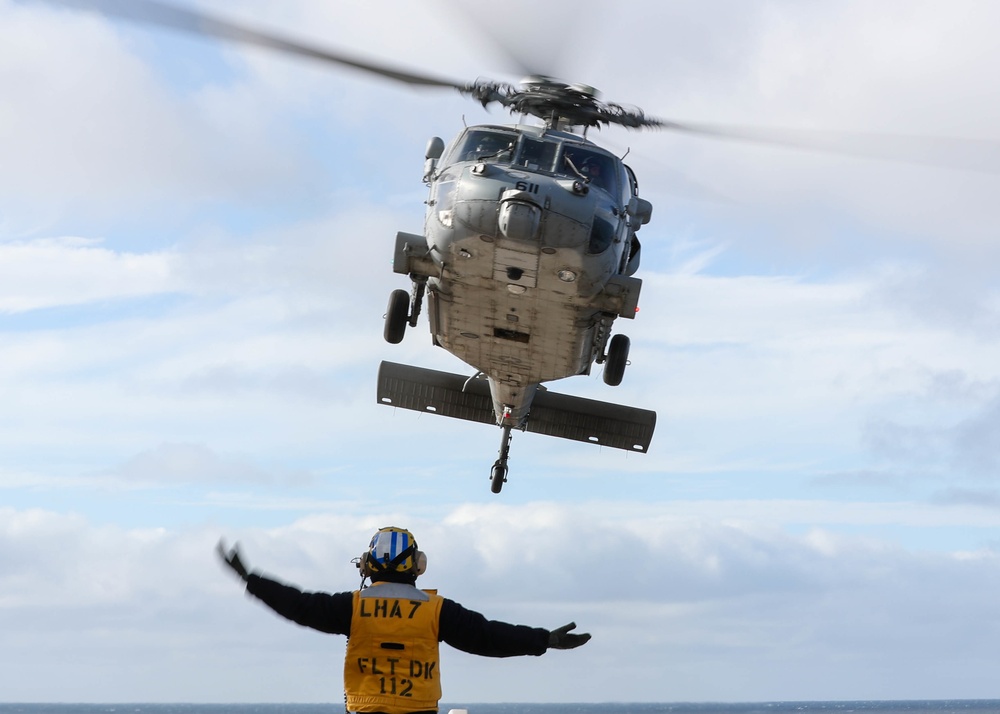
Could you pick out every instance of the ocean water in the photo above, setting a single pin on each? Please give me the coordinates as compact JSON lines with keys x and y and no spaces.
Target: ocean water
{"x":955,"y":706}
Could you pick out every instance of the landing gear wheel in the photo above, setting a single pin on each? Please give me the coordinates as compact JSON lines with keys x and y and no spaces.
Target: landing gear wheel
{"x":498,"y":477}
{"x":614,"y":366}
{"x":396,"y":316}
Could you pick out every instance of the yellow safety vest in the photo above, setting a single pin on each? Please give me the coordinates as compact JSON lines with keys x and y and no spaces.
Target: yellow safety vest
{"x":392,"y":652}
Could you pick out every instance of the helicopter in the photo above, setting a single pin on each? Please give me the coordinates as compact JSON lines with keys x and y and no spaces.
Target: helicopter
{"x":528,"y":257}
{"x":529,"y":250}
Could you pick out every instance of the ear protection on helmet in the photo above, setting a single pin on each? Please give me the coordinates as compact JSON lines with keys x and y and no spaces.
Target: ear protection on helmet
{"x":392,"y":550}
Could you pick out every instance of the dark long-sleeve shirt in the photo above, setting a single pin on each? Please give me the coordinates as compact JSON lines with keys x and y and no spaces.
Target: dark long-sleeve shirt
{"x":459,"y":627}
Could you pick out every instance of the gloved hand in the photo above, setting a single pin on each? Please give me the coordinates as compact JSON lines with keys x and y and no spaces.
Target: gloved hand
{"x":232,"y":559}
{"x":560,"y":639}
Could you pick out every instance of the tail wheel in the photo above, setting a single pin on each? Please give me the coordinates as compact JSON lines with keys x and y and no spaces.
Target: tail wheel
{"x":498,"y":476}
{"x":617,"y":360}
{"x":396,"y":316}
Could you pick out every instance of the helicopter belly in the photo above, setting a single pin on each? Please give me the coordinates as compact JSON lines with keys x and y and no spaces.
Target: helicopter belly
{"x":504,"y":339}
{"x":514,"y":324}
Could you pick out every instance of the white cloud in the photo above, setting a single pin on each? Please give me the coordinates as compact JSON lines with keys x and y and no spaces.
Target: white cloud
{"x":689,"y":596}
{"x":70,"y":271}
{"x":96,"y":133}
{"x":169,"y":463}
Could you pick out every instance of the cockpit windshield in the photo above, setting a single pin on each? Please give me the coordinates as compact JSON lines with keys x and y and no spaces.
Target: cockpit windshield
{"x":537,"y":153}
{"x":485,"y":145}
{"x":590,"y":165}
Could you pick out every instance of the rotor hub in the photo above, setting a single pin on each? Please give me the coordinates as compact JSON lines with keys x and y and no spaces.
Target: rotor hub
{"x":559,"y":104}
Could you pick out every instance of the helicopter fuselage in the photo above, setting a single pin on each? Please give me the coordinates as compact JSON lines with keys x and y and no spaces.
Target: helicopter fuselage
{"x":528,"y":252}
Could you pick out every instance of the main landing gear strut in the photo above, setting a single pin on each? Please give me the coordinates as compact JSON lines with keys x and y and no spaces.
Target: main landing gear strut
{"x":498,"y":475}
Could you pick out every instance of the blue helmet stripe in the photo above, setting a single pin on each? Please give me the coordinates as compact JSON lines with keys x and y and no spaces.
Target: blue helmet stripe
{"x":389,"y":543}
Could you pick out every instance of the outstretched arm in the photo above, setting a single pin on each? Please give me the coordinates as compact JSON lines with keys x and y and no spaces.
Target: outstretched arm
{"x":471,"y":632}
{"x":321,"y":611}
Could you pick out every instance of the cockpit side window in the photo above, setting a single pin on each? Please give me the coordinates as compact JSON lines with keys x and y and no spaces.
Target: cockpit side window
{"x":633,"y":181}
{"x":596,"y":168}
{"x":484,"y":145}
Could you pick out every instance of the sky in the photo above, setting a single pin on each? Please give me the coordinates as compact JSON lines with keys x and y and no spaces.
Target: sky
{"x":195,"y":260}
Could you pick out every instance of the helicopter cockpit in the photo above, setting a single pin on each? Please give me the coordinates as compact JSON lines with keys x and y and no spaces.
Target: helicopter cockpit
{"x":596,"y":168}
{"x":543,"y":154}
{"x":484,"y":145}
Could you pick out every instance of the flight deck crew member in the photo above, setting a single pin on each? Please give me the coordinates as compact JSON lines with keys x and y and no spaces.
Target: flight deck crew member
{"x":393,"y":628}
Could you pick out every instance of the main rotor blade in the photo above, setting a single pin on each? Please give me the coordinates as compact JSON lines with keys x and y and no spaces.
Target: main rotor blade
{"x":937,"y":151}
{"x":524,"y":48}
{"x":151,"y":12}
{"x":513,"y":63}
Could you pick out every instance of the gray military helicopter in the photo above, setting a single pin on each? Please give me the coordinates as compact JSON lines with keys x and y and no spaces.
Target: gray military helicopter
{"x":527,"y":258}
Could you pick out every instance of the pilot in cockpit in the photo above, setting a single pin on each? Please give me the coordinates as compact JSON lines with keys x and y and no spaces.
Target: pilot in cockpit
{"x":590,"y":166}
{"x":592,"y":170}
{"x":488,"y":146}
